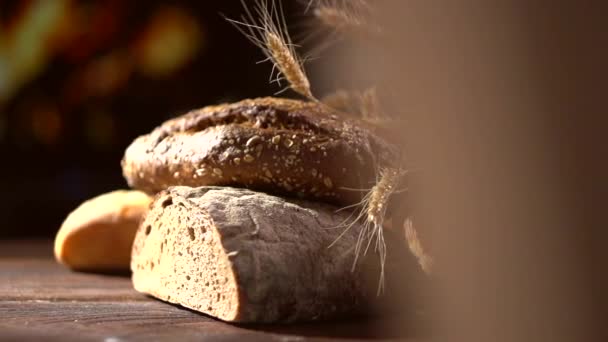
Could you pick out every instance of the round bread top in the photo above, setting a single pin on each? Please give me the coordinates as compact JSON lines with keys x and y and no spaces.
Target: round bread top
{"x":280,"y":146}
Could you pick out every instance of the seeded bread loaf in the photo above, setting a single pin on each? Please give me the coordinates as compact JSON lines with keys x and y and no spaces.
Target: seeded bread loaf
{"x":98,"y":235}
{"x":245,"y":256}
{"x":279,"y":146}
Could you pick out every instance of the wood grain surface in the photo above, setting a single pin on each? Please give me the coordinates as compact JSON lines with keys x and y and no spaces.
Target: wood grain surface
{"x":41,"y":300}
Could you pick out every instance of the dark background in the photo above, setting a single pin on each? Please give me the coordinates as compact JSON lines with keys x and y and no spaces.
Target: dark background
{"x":79,"y":80}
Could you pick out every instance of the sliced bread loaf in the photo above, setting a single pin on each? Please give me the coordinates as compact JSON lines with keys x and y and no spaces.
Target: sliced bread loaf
{"x":246,"y":256}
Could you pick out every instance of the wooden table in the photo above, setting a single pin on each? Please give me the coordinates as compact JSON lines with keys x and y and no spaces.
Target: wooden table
{"x":40,"y":299}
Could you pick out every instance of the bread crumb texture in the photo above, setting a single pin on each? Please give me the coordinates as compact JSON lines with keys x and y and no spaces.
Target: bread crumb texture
{"x":245,"y":256}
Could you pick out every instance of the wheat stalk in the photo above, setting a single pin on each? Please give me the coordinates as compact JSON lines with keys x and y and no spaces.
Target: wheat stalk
{"x":376,"y":210}
{"x":371,"y":210}
{"x":369,"y":104}
{"x":354,"y":16}
{"x":415,"y":246}
{"x":337,"y":19}
{"x":286,"y":60}
{"x":268,"y":30}
{"x":365,"y":103}
{"x":369,"y":107}
{"x":338,"y":100}
{"x":381,"y":193}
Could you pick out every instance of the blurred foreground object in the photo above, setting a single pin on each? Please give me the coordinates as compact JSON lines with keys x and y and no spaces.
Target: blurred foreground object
{"x":496,"y":105}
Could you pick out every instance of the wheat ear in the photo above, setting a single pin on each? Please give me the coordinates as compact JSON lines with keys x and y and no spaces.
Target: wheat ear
{"x":415,"y":246}
{"x":369,"y":107}
{"x":371,"y":210}
{"x":337,"y":18}
{"x":378,"y":202}
{"x":267,"y":29}
{"x":364,"y":103}
{"x":339,"y":100}
{"x":352,"y":16}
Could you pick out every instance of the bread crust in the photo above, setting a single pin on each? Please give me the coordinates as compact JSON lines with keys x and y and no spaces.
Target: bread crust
{"x":279,"y":146}
{"x":98,"y":235}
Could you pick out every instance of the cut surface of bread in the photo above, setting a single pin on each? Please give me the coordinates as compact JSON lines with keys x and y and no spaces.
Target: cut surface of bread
{"x":245,"y":256}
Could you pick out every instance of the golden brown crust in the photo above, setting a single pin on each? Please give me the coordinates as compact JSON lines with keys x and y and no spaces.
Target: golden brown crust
{"x":275,"y":145}
{"x":97,"y":236}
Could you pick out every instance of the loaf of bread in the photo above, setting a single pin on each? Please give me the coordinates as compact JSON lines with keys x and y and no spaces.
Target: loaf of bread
{"x":98,"y":235}
{"x":245,"y":256}
{"x":279,"y":146}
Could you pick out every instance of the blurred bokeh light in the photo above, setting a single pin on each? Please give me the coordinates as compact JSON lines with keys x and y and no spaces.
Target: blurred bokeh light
{"x":79,"y":80}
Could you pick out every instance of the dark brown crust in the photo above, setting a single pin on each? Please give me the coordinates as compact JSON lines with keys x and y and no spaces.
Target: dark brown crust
{"x":279,"y":146}
{"x":270,"y":255}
